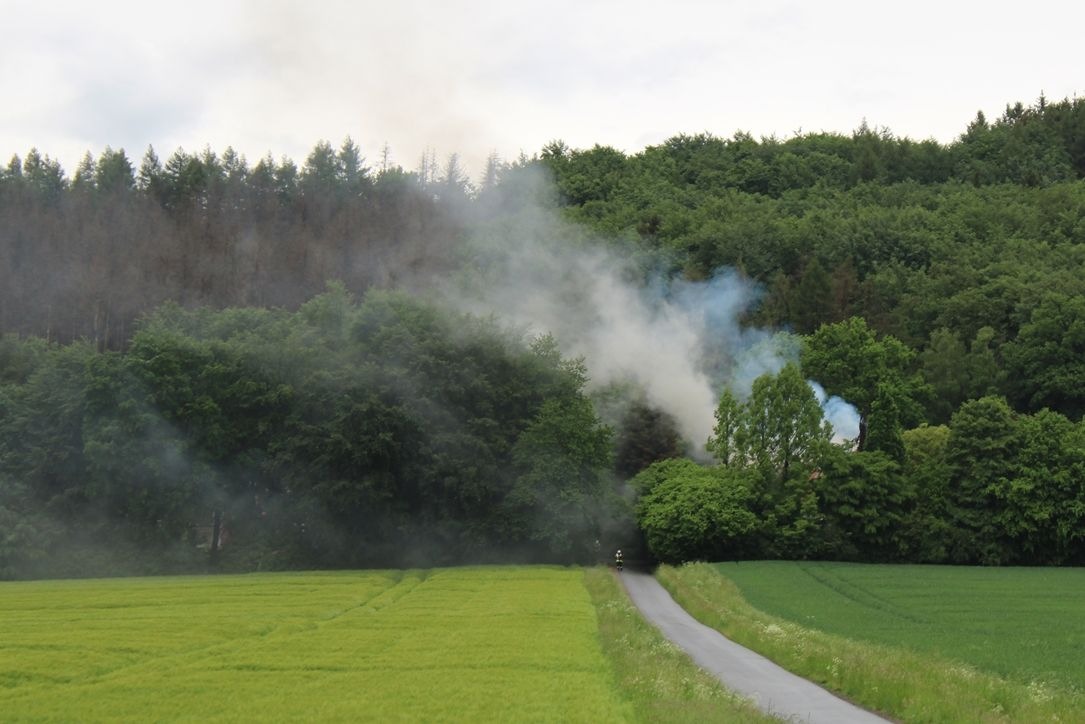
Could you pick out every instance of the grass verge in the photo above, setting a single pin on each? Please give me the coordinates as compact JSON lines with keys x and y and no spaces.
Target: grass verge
{"x":904,"y":684}
{"x":655,"y":676}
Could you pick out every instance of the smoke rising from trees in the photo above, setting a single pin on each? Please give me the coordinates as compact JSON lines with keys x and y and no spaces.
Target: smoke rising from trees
{"x":678,"y":343}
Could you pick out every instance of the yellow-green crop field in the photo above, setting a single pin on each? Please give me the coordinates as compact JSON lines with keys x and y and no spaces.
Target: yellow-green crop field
{"x":460,"y":644}
{"x":481,"y":644}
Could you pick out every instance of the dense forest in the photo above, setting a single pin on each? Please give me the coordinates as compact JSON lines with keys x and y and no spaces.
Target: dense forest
{"x":206,"y":362}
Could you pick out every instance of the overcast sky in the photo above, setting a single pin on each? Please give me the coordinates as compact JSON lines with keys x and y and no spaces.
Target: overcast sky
{"x":482,"y":76}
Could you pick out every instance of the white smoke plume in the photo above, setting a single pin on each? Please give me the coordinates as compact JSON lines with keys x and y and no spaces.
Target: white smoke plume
{"x":839,"y":412}
{"x":678,"y":342}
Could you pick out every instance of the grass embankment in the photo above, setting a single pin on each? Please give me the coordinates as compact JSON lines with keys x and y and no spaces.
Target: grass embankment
{"x":909,"y":680}
{"x":471,"y":644}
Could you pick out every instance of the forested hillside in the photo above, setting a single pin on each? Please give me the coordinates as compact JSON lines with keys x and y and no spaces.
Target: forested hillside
{"x":180,"y":386}
{"x":342,"y":434}
{"x":971,"y":253}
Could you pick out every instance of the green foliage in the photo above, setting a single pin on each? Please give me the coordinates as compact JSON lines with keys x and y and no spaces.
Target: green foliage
{"x":783,"y":430}
{"x":1023,"y":146}
{"x":646,"y":481}
{"x":728,"y":441}
{"x":884,"y":428}
{"x":982,"y":446}
{"x":26,"y":534}
{"x":993,"y":487}
{"x":944,"y":368}
{"x":41,"y":429}
{"x":560,"y":457}
{"x":114,"y":173}
{"x":916,"y":238}
{"x":871,"y":374}
{"x":695,"y":513}
{"x":761,"y":498}
{"x":928,"y":528}
{"x":1047,"y":359}
{"x":778,"y":437}
{"x":1042,"y":507}
{"x":867,"y":501}
{"x":812,"y":302}
{"x":779,"y":431}
{"x":19,"y":358}
{"x":139,"y":471}
{"x":350,"y":431}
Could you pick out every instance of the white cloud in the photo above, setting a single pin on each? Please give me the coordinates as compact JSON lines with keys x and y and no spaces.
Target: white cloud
{"x":477,"y":76}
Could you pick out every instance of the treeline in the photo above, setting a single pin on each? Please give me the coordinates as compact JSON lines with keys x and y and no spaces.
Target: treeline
{"x":970,"y":254}
{"x":376,"y":433}
{"x":82,"y":258}
{"x":1029,"y":146}
{"x":389,"y":432}
{"x":993,"y":487}
{"x":943,"y":246}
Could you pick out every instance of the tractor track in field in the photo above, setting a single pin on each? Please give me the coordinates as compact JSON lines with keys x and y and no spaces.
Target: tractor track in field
{"x":773,"y":689}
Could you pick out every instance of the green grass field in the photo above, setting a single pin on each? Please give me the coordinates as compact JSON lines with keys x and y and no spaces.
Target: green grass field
{"x":471,"y":644}
{"x":1026,"y":623}
{"x":919,"y":644}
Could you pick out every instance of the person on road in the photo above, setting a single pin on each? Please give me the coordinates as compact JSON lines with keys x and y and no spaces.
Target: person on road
{"x":618,"y":559}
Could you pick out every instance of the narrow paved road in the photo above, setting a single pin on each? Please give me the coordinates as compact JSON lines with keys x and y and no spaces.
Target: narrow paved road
{"x":774,"y":690}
